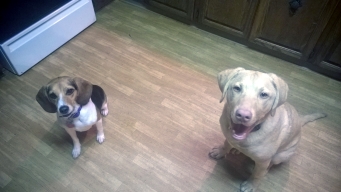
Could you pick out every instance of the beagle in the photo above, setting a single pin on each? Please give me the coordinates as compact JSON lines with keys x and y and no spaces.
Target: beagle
{"x":78,"y":104}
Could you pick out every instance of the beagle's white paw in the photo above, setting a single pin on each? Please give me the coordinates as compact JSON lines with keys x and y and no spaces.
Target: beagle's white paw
{"x":76,"y":152}
{"x":105,"y":110}
{"x":247,"y":186}
{"x":100,"y":138}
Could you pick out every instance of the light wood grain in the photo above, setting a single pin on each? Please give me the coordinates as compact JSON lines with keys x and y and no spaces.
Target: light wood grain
{"x":160,"y":78}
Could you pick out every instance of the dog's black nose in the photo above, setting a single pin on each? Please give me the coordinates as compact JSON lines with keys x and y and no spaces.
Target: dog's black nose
{"x":243,"y":115}
{"x":64,"y":109}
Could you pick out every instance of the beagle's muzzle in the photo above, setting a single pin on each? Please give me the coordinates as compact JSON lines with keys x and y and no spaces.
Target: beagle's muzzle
{"x":78,"y":104}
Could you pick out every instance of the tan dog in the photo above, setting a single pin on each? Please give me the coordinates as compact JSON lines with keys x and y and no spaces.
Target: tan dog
{"x":78,"y":104}
{"x":257,"y":121}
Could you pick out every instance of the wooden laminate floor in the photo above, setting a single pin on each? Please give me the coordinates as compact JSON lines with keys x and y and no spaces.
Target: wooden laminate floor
{"x":160,"y":77}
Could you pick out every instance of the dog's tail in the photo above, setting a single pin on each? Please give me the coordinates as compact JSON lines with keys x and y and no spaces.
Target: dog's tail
{"x":312,"y":117}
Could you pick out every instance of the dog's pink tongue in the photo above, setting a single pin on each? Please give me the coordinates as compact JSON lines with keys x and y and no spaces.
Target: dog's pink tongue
{"x":239,"y":131}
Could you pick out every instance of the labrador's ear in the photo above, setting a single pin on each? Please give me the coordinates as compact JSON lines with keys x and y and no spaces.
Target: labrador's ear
{"x":223,"y":80}
{"x":281,"y":92}
{"x":84,"y":90}
{"x":44,"y":102}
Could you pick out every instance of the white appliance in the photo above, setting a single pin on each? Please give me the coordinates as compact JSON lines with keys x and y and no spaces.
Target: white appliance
{"x":22,"y":48}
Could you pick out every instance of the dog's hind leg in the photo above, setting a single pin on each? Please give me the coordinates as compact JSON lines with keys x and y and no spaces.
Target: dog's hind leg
{"x":104,"y":109}
{"x":283,"y":156}
{"x":100,"y":99}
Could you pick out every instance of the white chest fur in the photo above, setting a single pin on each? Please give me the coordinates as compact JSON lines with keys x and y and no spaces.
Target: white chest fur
{"x":85,"y":120}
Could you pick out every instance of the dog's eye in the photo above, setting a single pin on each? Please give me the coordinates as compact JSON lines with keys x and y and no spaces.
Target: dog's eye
{"x":52,"y":96}
{"x":236,"y":89}
{"x":264,"y":95}
{"x":69,"y":91}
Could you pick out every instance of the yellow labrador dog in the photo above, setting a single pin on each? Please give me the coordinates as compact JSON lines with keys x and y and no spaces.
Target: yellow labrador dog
{"x":257,"y":121}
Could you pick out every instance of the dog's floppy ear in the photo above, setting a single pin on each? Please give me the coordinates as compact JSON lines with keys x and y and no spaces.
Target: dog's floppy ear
{"x":223,"y":80}
{"x":281,"y":92}
{"x":84,"y":90}
{"x":44,"y":102}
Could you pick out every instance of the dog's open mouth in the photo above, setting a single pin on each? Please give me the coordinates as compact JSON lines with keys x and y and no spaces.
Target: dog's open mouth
{"x":240,"y":131}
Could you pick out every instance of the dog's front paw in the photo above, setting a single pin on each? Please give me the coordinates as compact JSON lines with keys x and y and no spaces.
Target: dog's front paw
{"x":247,"y":186}
{"x":100,"y":138}
{"x":76,"y":152}
{"x":217,"y":152}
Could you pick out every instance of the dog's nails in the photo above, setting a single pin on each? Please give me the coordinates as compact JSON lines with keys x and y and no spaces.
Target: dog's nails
{"x":76,"y":152}
{"x":100,"y":138}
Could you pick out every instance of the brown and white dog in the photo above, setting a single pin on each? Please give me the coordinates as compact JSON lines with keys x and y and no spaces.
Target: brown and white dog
{"x":78,"y":104}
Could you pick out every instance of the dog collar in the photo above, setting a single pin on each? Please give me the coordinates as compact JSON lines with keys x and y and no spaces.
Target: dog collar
{"x":69,"y":122}
{"x":75,"y":115}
